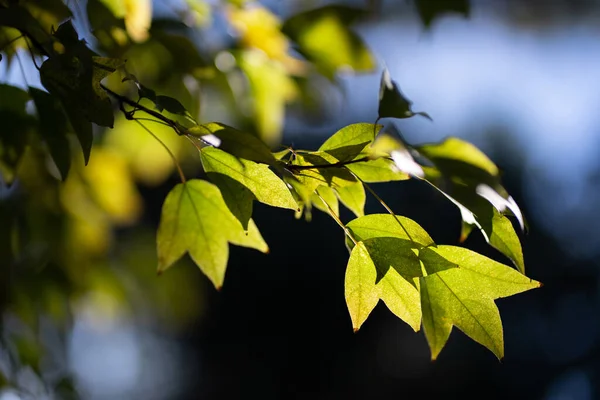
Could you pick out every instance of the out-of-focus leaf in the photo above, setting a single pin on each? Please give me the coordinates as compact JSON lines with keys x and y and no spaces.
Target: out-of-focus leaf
{"x":186,"y":57}
{"x":195,"y":219}
{"x":354,"y":197}
{"x":259,"y":28}
{"x":378,"y":170}
{"x":258,"y":178}
{"x":349,"y":141}
{"x":233,"y":141}
{"x":386,"y":225}
{"x":16,"y":125}
{"x":53,"y":128}
{"x":171,"y":105}
{"x":271,"y":89}
{"x":392,"y":103}
{"x":137,"y":15}
{"x":323,"y":37}
{"x":430,"y":10}
{"x":464,"y":297}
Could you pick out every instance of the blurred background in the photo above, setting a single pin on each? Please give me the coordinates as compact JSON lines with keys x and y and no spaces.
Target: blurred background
{"x":84,"y":313}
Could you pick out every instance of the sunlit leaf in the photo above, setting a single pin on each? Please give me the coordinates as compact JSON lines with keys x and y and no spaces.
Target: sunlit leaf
{"x":369,"y":278}
{"x":392,"y":103}
{"x":360,"y":290}
{"x":322,"y":173}
{"x":502,"y":236}
{"x":464,"y":297}
{"x":354,"y":197}
{"x":323,"y":37}
{"x":258,"y":178}
{"x":349,"y":141}
{"x":325,"y":195}
{"x":195,"y":219}
{"x":233,"y":141}
{"x":386,"y":225}
{"x":378,"y":170}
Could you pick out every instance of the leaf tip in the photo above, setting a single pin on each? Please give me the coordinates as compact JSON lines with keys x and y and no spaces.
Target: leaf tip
{"x":219,"y":287}
{"x":355,"y":329}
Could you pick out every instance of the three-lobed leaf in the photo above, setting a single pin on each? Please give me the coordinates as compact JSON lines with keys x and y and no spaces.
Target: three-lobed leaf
{"x":196,"y":220}
{"x":464,"y":297}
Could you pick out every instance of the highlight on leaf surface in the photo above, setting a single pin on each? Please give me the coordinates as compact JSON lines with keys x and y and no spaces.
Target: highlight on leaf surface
{"x":196,"y":220}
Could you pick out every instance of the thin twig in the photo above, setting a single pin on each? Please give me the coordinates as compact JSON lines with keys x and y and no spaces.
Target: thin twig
{"x":122,"y":99}
{"x":181,"y":175}
{"x":337,"y":219}
{"x":384,"y":204}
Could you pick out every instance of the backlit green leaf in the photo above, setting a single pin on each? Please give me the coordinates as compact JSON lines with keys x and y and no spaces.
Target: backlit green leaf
{"x":195,"y":219}
{"x":233,"y":141}
{"x":378,"y":170}
{"x":386,"y":225}
{"x":464,"y":297}
{"x":349,"y":141}
{"x":369,"y":278}
{"x":258,"y":178}
{"x":326,"y":194}
{"x":361,"y":293}
{"x":354,"y":197}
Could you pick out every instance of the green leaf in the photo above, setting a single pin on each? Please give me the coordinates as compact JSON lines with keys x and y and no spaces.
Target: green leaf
{"x":267,"y":187}
{"x":367,"y":261}
{"x":236,"y":142}
{"x":171,"y":105}
{"x":396,"y":253}
{"x":328,"y":195}
{"x":53,"y":128}
{"x":323,"y":37}
{"x":195,"y":219}
{"x":386,"y":225}
{"x":360,"y":290}
{"x":455,"y":156}
{"x":401,"y":298}
{"x":502,"y":237}
{"x":354,"y":197}
{"x":312,"y":178}
{"x":464,"y":297}
{"x":238,"y":197}
{"x":378,"y":170}
{"x":392,"y":103}
{"x":430,"y":10}
{"x":349,"y":141}
{"x":433,"y":262}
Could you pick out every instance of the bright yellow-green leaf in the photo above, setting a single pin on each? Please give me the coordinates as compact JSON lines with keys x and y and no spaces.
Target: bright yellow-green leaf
{"x":464,"y":297}
{"x":312,"y":178}
{"x":454,"y":150}
{"x":328,"y":195}
{"x":402,"y":298}
{"x":354,"y":197}
{"x":378,"y":170}
{"x":386,"y":225}
{"x":233,"y":141}
{"x":349,"y":141}
{"x":361,"y":293}
{"x":195,"y":219}
{"x":502,"y":236}
{"x":369,"y":278}
{"x":258,"y":178}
